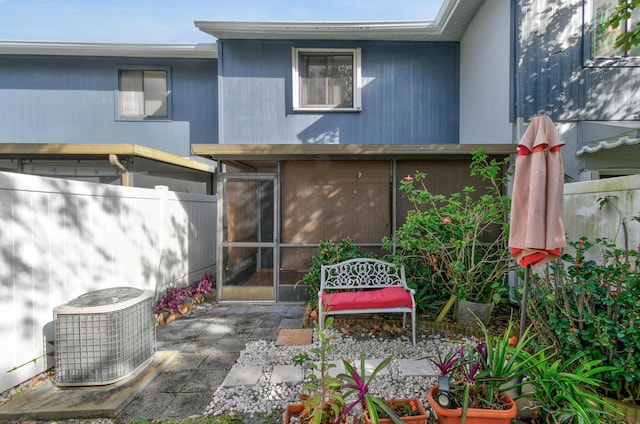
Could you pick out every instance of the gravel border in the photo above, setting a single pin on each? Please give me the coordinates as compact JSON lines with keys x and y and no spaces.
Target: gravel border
{"x":251,"y":403}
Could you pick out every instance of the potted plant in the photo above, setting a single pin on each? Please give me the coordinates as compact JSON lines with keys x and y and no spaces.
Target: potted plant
{"x":475,"y":378}
{"x":372,"y":409}
{"x":461,"y":238}
{"x":323,"y":403}
{"x":559,"y":391}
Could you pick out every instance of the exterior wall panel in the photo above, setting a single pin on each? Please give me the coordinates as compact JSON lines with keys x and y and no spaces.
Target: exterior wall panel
{"x":554,"y":68}
{"x":484,"y":77}
{"x":410,"y":95}
{"x":73,"y":100}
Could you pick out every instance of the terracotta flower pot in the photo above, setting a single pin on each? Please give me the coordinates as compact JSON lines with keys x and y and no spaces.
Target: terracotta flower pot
{"x":420,"y":418}
{"x":293,"y":409}
{"x":474,"y":415}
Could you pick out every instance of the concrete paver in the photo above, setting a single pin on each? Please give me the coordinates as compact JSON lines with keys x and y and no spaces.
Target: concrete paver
{"x":420,"y":367}
{"x":242,"y":376}
{"x":286,"y":374}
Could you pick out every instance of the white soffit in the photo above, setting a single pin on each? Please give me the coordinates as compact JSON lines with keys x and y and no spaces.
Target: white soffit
{"x":450,"y":24}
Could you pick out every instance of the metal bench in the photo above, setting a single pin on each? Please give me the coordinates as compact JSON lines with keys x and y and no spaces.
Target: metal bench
{"x":364,"y":286}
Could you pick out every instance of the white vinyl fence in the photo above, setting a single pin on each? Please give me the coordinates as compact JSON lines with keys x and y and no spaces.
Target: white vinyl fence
{"x":585,"y":216}
{"x":60,"y":239}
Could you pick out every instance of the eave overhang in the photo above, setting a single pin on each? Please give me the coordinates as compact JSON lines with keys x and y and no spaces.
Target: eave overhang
{"x":450,"y":24}
{"x":97,"y":151}
{"x":178,"y":51}
{"x":272,"y":152}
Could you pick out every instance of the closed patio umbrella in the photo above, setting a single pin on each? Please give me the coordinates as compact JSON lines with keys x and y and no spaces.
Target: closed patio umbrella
{"x":536,"y":233}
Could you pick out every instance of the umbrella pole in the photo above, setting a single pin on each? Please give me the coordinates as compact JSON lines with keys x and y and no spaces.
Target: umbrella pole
{"x":523,"y":302}
{"x":523,"y":316}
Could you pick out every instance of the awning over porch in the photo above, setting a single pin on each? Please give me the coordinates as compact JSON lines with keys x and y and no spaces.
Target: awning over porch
{"x":267,"y":152}
{"x":126,"y":164}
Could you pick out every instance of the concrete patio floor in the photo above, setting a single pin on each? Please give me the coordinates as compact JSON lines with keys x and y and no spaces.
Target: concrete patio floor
{"x":194,"y":356}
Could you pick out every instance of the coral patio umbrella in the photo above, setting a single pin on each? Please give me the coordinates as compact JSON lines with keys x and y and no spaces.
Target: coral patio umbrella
{"x":536,"y":233}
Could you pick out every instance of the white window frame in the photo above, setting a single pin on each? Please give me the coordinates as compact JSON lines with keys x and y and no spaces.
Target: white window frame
{"x":296,"y":86}
{"x":614,"y":58}
{"x":143,"y":117}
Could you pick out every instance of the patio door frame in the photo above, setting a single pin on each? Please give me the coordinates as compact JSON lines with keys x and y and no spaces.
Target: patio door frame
{"x":223,"y":179}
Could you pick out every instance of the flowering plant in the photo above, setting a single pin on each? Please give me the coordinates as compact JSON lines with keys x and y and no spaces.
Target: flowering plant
{"x":591,"y":306}
{"x":173,"y":297}
{"x":461,"y":238}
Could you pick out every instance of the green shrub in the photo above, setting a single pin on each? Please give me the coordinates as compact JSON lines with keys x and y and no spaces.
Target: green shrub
{"x":329,"y":253}
{"x":591,"y":306}
{"x":457,"y":244}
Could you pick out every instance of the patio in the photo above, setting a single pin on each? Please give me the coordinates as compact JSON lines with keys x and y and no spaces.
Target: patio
{"x":212,"y":359}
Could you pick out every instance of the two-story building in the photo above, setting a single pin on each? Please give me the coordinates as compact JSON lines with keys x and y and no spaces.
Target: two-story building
{"x":311,"y":125}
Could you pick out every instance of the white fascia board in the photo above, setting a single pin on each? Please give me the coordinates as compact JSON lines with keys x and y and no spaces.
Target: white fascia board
{"x":198,"y":51}
{"x":383,"y":30}
{"x":375,"y":30}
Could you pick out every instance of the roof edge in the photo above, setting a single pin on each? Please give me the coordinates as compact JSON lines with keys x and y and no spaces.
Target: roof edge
{"x":343,"y":151}
{"x":78,"y":149}
{"x":363,"y":30}
{"x":191,"y":51}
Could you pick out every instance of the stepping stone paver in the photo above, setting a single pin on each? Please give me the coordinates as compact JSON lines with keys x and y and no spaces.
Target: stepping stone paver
{"x":370,"y":365}
{"x":421,"y":367}
{"x":242,"y":376}
{"x":294,"y":336}
{"x":286,"y":374}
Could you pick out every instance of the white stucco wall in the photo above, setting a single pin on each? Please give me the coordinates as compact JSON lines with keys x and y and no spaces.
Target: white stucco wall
{"x":484,"y":77}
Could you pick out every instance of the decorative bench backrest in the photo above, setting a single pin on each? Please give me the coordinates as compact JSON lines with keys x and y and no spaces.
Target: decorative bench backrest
{"x":362,"y":273}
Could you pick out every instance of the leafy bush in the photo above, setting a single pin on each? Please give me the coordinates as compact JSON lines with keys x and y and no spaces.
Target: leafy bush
{"x":564,"y":390}
{"x":458,"y":243}
{"x":329,"y":253}
{"x":591,"y":306}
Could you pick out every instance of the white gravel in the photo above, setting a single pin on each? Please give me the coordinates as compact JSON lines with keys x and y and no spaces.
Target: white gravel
{"x":269,"y":399}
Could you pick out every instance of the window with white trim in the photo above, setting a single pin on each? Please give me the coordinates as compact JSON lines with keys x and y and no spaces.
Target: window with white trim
{"x":604,"y":38}
{"x":143,"y":93}
{"x":326,"y":79}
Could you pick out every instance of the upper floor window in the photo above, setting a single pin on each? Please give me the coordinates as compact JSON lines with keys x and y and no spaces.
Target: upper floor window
{"x":143,"y":93}
{"x":604,"y":37}
{"x":326,"y":79}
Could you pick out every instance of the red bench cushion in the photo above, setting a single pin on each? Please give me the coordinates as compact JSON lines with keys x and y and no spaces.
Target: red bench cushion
{"x":380,"y":298}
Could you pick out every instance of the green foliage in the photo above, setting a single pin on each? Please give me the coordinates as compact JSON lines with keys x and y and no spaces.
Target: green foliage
{"x":622,"y":14}
{"x":565,"y":389}
{"x":328,"y":253}
{"x":480,"y":373}
{"x":457,"y":244}
{"x":591,"y":306}
{"x":358,"y":384}
{"x":324,"y":402}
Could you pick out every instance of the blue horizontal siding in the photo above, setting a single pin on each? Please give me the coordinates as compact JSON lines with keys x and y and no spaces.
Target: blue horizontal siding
{"x":49,"y":99}
{"x":410,"y":95}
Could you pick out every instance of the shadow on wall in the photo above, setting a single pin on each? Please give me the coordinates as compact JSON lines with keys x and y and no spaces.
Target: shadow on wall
{"x":554,"y":49}
{"x":60,"y":239}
